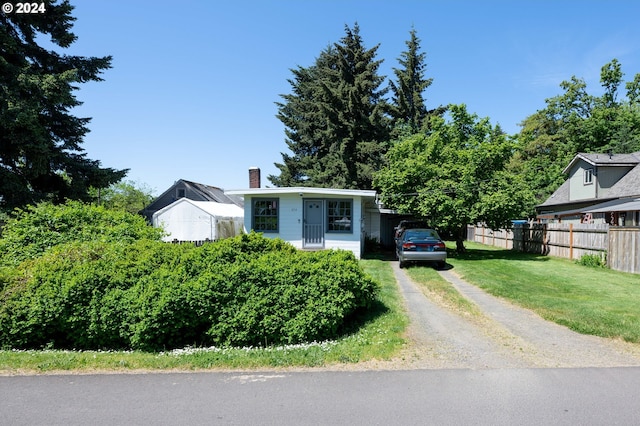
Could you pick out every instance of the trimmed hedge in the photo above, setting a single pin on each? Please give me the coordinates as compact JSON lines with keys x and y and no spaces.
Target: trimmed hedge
{"x":148,"y":295}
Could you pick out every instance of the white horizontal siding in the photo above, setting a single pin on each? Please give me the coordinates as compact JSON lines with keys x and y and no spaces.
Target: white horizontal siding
{"x":291,"y":223}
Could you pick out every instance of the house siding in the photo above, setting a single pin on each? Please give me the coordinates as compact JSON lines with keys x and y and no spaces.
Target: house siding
{"x":577,"y":188}
{"x":290,"y":222}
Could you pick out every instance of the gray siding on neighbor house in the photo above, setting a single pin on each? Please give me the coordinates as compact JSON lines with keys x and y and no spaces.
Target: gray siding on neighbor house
{"x":578,"y":189}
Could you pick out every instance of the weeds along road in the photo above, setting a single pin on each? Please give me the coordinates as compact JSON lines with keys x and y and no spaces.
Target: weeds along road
{"x":504,"y":336}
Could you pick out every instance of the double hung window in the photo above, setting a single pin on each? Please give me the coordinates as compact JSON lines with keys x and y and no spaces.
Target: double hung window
{"x":339,"y":216}
{"x":265,"y":215}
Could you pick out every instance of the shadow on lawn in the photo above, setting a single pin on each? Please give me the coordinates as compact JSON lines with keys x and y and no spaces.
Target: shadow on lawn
{"x":361,"y":317}
{"x":490,"y":254}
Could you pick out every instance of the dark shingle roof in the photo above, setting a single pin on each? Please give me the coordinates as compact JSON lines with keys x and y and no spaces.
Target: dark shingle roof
{"x":213,"y":193}
{"x":627,"y":186}
{"x":600,"y":159}
{"x":560,"y":196}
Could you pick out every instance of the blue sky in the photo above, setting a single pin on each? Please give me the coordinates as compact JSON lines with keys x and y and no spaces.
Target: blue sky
{"x":194,"y":83}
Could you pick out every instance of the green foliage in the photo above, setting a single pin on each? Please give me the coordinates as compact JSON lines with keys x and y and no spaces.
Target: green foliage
{"x":574,"y":122}
{"x":455,"y":174}
{"x":150,"y":295}
{"x":593,"y":260}
{"x":129,"y":196}
{"x":40,"y":153}
{"x":32,"y":231}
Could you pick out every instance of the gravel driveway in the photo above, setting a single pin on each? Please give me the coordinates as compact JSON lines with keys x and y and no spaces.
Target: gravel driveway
{"x":505,"y":336}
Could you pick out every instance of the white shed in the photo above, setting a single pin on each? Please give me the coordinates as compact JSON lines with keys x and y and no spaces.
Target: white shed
{"x":188,"y":220}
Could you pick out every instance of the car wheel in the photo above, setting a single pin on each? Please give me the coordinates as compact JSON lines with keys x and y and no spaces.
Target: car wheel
{"x":401,"y":264}
{"x":441,"y":265}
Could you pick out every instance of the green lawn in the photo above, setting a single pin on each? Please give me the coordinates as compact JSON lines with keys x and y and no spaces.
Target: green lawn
{"x":376,"y":335}
{"x":588,"y":300}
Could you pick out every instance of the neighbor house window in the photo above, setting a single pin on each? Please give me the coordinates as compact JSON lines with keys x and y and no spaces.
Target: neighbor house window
{"x":588,"y":176}
{"x":181,"y":193}
{"x":339,"y":215}
{"x":265,"y":215}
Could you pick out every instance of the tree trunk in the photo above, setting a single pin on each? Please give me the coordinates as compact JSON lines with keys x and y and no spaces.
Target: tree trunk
{"x":462,"y":234}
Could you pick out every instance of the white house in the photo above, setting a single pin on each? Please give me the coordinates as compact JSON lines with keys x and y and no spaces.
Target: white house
{"x":312,"y":218}
{"x":189,"y":220}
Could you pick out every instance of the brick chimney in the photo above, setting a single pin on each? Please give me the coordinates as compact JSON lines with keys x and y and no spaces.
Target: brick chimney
{"x":254,"y":177}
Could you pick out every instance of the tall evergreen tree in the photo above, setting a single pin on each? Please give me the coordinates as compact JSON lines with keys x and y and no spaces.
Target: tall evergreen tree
{"x":40,"y":152}
{"x":408,"y":107}
{"x":334,"y":117}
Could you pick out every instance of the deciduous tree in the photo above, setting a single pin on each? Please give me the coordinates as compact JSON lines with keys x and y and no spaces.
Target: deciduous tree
{"x":454,"y":175}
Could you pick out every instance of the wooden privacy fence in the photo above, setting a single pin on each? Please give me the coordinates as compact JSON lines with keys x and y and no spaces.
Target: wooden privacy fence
{"x":624,"y":249}
{"x":621,"y":245}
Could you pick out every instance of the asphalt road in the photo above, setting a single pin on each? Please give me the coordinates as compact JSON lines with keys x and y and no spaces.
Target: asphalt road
{"x":602,"y":396}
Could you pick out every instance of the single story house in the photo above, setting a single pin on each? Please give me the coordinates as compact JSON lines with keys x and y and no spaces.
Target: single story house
{"x":312,"y":218}
{"x":188,"y":220}
{"x":600,"y":188}
{"x":191,"y":190}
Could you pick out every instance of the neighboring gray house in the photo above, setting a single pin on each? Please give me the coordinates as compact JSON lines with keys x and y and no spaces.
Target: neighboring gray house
{"x":191,"y":190}
{"x":601,"y":188}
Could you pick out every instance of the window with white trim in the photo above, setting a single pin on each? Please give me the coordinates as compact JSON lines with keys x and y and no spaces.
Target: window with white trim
{"x":588,"y":176}
{"x":340,"y":216}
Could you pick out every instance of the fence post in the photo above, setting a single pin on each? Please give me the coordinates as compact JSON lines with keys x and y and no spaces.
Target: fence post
{"x":571,"y":241}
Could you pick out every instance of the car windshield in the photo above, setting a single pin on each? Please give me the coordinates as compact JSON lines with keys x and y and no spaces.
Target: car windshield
{"x":423,"y":234}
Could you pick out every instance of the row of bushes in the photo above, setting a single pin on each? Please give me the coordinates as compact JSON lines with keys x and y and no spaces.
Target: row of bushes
{"x":148,"y":295}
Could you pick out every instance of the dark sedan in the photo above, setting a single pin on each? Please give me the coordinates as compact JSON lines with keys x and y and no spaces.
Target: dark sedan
{"x":421,"y":245}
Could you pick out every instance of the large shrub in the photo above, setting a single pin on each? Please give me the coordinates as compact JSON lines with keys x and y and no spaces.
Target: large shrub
{"x":150,"y":295}
{"x":32,"y":231}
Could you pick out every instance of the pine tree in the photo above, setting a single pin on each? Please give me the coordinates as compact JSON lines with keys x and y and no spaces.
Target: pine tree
{"x":334,"y":118}
{"x":40,"y":152}
{"x":408,"y":107}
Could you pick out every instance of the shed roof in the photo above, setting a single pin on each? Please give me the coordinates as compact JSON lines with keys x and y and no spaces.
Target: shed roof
{"x":210,"y":207}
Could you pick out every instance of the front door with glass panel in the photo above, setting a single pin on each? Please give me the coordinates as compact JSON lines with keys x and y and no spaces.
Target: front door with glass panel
{"x":313,"y":229}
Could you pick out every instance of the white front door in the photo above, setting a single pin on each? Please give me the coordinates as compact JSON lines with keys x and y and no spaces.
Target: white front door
{"x":313,"y":227}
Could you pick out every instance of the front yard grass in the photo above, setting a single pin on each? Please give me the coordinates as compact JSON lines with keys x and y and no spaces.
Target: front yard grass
{"x":588,"y":300}
{"x":377,"y":336}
